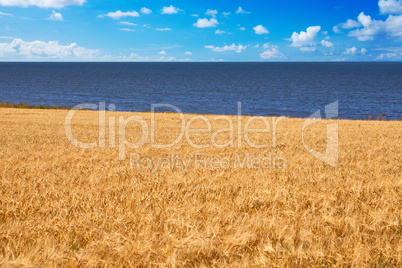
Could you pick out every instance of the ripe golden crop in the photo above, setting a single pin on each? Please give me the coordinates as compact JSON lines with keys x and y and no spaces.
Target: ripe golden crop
{"x":67,"y":206}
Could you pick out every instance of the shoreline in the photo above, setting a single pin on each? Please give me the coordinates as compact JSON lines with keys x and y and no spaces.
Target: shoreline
{"x":25,"y":105}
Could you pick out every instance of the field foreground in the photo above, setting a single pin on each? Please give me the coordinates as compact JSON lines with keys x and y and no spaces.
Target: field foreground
{"x":61,"y":205}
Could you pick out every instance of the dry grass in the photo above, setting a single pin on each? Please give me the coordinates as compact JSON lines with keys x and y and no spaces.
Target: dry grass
{"x":29,"y":106}
{"x":65,"y":206}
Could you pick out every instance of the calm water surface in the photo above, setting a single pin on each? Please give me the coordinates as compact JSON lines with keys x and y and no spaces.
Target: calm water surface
{"x":288,"y":89}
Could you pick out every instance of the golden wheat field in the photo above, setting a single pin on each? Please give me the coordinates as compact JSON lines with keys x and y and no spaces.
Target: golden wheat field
{"x":61,"y":205}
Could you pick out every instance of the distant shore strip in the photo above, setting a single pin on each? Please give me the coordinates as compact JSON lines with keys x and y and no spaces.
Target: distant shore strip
{"x":25,"y":105}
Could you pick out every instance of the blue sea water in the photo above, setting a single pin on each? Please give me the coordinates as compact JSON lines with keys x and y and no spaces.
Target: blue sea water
{"x":284,"y":89}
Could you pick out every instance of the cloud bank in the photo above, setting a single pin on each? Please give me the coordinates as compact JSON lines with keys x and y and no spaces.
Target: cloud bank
{"x":170,"y":10}
{"x":259,"y":29}
{"x":46,"y":50}
{"x":41,"y":3}
{"x":305,"y":39}
{"x":119,"y":14}
{"x":205,"y":23}
{"x":239,"y":48}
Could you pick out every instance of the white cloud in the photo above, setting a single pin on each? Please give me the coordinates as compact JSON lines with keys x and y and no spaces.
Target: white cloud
{"x":267,"y":45}
{"x":56,"y":16}
{"x":119,"y":14}
{"x":350,"y":51}
{"x":219,"y":32}
{"x":364,"y":19}
{"x":211,"y":12}
{"x":308,"y":49}
{"x":163,"y":58}
{"x":242,"y":28}
{"x":45,"y":50}
{"x":188,"y":53}
{"x":304,"y":39}
{"x":271,"y":52}
{"x":135,"y":58}
{"x":226,"y":13}
{"x":163,"y":29}
{"x":350,"y":24}
{"x":162,"y":52}
{"x":6,"y":14}
{"x":204,"y":23}
{"x":239,"y":48}
{"x":42,"y":3}
{"x":187,"y":60}
{"x":259,"y":29}
{"x":391,"y":27}
{"x":120,"y":58}
{"x":326,"y":43}
{"x":354,"y":51}
{"x":8,"y":49}
{"x":195,"y":15}
{"x":336,"y":29}
{"x":257,"y":46}
{"x":128,"y":23}
{"x":170,"y":10}
{"x":146,"y":11}
{"x":127,"y":30}
{"x":392,"y":55}
{"x":390,"y":6}
{"x":213,"y":60}
{"x":240,"y":10}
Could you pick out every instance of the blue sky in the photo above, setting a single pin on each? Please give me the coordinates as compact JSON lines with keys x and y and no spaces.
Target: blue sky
{"x":182,"y":30}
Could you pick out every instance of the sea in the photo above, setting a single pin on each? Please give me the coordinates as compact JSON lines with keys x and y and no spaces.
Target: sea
{"x":362,"y":90}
